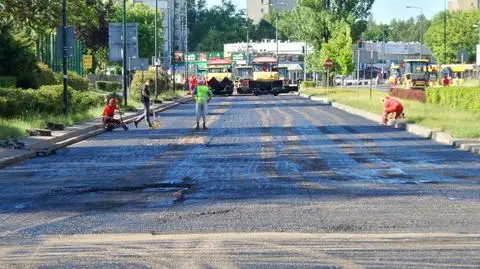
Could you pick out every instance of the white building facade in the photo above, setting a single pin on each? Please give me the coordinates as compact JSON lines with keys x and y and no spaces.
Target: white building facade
{"x":174,"y":14}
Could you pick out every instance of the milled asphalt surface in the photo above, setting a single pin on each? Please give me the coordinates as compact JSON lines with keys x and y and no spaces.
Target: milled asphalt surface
{"x":276,"y":182}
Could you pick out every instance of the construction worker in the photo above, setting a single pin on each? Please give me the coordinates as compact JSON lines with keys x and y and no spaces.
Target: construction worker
{"x":202,"y":96}
{"x":193,"y":84}
{"x":109,"y":112}
{"x":145,"y":99}
{"x":390,"y":106}
{"x":446,"y":81}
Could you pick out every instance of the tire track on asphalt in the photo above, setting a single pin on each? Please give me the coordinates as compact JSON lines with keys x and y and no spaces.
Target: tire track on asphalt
{"x":377,"y":164}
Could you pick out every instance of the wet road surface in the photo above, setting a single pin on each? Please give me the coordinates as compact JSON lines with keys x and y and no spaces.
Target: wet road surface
{"x":276,"y":182}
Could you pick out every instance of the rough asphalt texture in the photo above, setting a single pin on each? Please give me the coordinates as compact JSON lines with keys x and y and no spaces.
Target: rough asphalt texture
{"x":276,"y":182}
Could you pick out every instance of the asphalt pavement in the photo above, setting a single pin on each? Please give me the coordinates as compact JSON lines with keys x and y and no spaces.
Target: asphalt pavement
{"x":276,"y":182}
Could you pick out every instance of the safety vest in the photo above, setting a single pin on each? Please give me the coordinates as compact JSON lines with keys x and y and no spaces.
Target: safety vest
{"x":202,"y":94}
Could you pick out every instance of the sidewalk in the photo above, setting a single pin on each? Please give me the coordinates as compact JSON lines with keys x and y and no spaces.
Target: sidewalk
{"x":45,"y":145}
{"x":472,"y":145}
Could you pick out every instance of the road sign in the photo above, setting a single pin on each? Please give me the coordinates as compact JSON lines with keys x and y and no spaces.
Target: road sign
{"x":59,"y":42}
{"x":137,"y":64}
{"x":115,"y":35}
{"x":328,"y":63}
{"x":87,"y":61}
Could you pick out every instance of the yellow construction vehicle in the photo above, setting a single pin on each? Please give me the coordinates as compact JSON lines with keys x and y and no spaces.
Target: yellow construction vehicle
{"x":416,"y":74}
{"x":243,"y":76}
{"x":266,"y":78}
{"x":219,"y":76}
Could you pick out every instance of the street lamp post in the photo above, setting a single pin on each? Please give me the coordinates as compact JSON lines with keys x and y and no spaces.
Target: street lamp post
{"x":276,"y":27}
{"x":156,"y":49}
{"x":65,"y":71}
{"x":421,"y":28}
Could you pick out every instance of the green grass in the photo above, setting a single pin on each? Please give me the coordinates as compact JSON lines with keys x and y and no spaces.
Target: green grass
{"x":460,"y":124}
{"x":16,"y":127}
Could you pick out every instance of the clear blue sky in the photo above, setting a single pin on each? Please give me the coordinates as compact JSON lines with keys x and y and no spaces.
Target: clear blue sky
{"x":383,"y":10}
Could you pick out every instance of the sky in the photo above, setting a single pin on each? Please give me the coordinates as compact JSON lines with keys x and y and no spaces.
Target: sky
{"x":383,"y":10}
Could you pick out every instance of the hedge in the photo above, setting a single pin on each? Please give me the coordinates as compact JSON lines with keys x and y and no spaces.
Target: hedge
{"x":45,"y":75}
{"x":75,"y":81}
{"x":8,"y":82}
{"x":465,"y":98}
{"x":137,"y":83}
{"x":108,"y":86}
{"x":307,"y":84}
{"x":46,"y":100}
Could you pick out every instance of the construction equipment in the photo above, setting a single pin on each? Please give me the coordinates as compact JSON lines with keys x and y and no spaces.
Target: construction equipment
{"x":283,"y":76}
{"x":219,"y":77}
{"x":243,"y":76}
{"x":266,"y":78}
{"x":417,"y":74}
{"x":395,"y":74}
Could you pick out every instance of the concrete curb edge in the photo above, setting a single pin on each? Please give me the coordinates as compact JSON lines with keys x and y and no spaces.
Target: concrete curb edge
{"x":472,"y":145}
{"x":48,"y":147}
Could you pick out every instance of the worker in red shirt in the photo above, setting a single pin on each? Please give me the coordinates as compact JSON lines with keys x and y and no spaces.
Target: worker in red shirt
{"x":193,"y":84}
{"x":446,"y":81}
{"x":109,"y":112}
{"x":392,"y":106}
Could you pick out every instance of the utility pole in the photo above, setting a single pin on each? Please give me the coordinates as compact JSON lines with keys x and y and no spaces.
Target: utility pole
{"x":186,"y":42}
{"x":156,"y":49}
{"x":248,"y":45}
{"x":173,"y":48}
{"x":305,"y":63}
{"x":445,"y":34}
{"x":65,"y":68}
{"x":276,"y":36}
{"x":124,"y":58}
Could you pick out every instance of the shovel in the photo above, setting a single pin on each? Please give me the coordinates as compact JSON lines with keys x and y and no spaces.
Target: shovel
{"x":121,"y":120}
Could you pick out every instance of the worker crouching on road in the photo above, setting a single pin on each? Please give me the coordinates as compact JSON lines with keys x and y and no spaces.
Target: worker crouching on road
{"x":109,"y":112}
{"x":392,"y":106}
{"x":202,"y":96}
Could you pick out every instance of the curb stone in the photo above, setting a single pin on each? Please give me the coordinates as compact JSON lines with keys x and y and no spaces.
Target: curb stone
{"x":49,"y":146}
{"x":472,"y":145}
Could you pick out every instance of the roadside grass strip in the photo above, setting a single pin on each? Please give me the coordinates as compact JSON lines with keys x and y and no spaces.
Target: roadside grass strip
{"x":457,"y":122}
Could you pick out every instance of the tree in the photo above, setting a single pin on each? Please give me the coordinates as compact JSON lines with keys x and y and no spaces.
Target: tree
{"x":16,"y":57}
{"x":41,"y":16}
{"x":377,"y":32}
{"x":408,"y":30}
{"x":339,"y":49}
{"x":312,"y":20}
{"x":210,"y":28}
{"x":461,"y":36}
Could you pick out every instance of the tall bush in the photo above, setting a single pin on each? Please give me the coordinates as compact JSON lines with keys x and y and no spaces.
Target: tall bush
{"x":137,"y":83}
{"x":466,"y":98}
{"x":75,"y":81}
{"x":45,"y":75}
{"x":108,"y":86}
{"x":16,"y":57}
{"x":46,"y":100}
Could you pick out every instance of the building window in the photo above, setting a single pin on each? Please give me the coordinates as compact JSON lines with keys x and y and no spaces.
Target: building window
{"x":261,"y":10}
{"x":262,"y":1}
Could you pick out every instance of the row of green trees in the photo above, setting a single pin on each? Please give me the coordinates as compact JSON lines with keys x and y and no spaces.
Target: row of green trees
{"x":461,"y":35}
{"x":332,"y":26}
